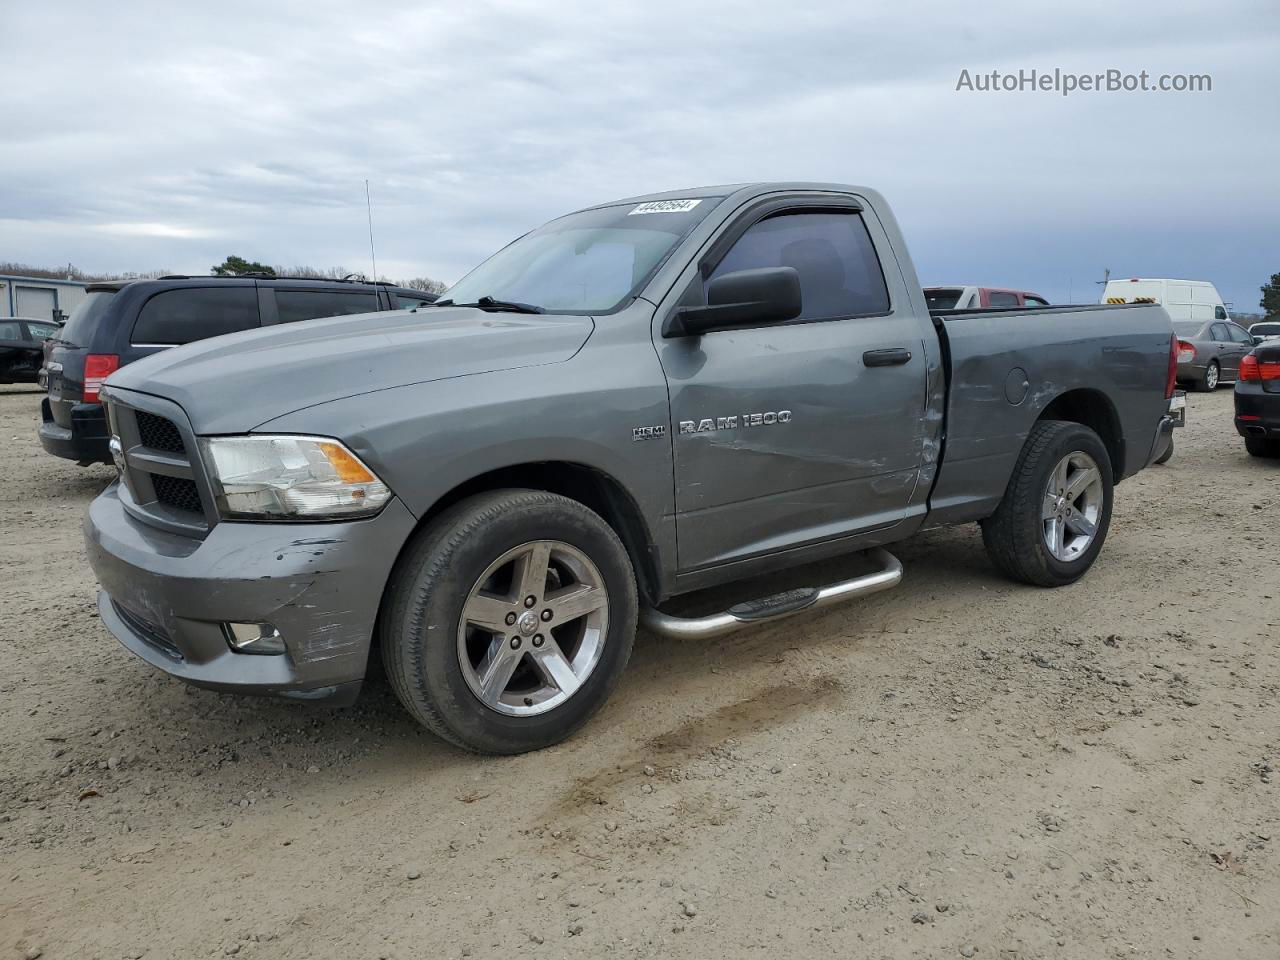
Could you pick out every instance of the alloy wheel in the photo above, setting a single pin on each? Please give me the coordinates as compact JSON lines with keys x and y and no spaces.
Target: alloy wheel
{"x":533,"y":628}
{"x":1072,"y":506}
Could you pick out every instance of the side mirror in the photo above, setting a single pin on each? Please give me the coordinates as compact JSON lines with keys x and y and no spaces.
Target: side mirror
{"x":745,"y":298}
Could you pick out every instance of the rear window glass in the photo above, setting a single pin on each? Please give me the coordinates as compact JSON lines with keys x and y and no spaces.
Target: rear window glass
{"x":1265,"y":329}
{"x":1003,"y":299}
{"x":295,"y":305}
{"x":80,"y":326}
{"x":942,"y":299}
{"x":196,"y":313}
{"x":41,"y":331}
{"x":10,"y":330}
{"x":1187,"y":329}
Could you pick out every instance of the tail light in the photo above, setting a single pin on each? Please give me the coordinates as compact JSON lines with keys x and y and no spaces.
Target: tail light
{"x":1251,"y":371}
{"x":97,"y":367}
{"x":1186,"y":352}
{"x":1175,"y":353}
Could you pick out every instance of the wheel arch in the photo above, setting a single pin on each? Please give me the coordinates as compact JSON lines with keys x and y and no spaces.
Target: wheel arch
{"x":1093,"y":409}
{"x":590,"y":486}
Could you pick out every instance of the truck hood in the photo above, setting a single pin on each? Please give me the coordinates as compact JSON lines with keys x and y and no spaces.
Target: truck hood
{"x":234,"y":383}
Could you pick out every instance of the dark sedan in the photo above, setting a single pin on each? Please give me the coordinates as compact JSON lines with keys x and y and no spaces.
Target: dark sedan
{"x":22,"y":348}
{"x":1258,"y":400}
{"x":1210,"y":351}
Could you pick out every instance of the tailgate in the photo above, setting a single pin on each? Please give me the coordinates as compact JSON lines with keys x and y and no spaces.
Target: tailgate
{"x":64,"y":382}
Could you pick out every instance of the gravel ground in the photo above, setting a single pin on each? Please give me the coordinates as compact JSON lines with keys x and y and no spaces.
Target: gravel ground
{"x":960,"y":767}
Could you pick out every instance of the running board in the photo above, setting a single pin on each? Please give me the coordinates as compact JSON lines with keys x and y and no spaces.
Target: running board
{"x":777,"y":606}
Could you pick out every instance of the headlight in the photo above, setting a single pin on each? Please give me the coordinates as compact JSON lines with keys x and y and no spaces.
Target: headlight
{"x":290,"y":478}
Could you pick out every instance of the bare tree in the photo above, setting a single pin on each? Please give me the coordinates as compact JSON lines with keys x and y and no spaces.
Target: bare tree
{"x":314,"y":273}
{"x":72,"y":272}
{"x":426,"y":284}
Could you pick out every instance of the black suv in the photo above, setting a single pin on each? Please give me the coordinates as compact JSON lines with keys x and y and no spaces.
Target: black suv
{"x":121,"y":321}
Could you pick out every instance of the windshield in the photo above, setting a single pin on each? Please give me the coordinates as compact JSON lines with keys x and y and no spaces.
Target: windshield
{"x":1184,"y":328}
{"x":592,"y":261}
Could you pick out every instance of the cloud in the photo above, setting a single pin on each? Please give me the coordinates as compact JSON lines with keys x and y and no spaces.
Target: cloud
{"x":165,"y":136}
{"x":164,"y":230}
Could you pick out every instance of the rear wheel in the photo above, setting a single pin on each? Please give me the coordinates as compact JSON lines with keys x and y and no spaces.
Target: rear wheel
{"x":1262,"y":447}
{"x":1209,"y":382}
{"x":509,"y":620}
{"x":1053,"y":520}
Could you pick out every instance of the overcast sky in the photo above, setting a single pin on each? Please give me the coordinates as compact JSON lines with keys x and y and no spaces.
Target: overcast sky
{"x":141,"y":136}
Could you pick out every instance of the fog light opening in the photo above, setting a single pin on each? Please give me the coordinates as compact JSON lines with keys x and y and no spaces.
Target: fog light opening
{"x":258,"y":638}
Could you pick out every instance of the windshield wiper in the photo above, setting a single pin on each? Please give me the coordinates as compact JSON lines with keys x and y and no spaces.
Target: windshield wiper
{"x":489,"y":303}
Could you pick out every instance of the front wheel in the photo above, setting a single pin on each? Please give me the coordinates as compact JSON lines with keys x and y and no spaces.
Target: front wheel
{"x":1053,"y":520}
{"x":509,"y":620}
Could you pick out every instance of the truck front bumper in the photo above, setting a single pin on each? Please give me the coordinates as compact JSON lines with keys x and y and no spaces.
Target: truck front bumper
{"x":169,"y":599}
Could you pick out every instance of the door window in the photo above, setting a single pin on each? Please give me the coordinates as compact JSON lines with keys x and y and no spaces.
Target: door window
{"x":1239,"y":335}
{"x":196,"y":313}
{"x":295,"y":305}
{"x":1219,"y":332}
{"x":1000,"y":299}
{"x":1036,"y":301}
{"x":840,"y":274}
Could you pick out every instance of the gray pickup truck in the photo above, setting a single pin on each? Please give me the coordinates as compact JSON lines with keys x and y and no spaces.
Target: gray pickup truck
{"x":630,"y":403}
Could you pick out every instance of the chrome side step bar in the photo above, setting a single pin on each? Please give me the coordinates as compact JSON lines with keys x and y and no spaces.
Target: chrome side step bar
{"x":777,"y":606}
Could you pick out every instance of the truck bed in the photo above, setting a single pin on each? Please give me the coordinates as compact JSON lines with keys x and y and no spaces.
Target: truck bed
{"x":1004,"y":366}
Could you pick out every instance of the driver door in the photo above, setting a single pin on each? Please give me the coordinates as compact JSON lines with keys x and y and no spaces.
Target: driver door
{"x":807,"y":430}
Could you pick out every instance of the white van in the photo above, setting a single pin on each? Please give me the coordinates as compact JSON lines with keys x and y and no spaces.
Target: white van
{"x":1182,"y":299}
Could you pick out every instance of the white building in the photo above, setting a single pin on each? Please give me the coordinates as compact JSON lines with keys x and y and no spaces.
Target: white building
{"x":39,"y":298}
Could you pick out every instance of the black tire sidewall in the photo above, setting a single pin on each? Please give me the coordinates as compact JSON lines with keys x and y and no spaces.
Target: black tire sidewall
{"x":1262,"y":447}
{"x":425,"y":637}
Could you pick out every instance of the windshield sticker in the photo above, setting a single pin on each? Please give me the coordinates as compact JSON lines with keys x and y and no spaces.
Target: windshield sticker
{"x":665,"y":206}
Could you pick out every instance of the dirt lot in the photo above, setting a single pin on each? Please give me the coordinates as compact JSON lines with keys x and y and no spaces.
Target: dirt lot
{"x":960,"y":767}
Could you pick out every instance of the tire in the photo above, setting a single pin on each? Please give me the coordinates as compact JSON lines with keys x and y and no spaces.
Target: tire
{"x":437,"y":663}
{"x":1212,"y":377}
{"x":1164,"y":457}
{"x":1017,"y":534}
{"x":1262,"y":447}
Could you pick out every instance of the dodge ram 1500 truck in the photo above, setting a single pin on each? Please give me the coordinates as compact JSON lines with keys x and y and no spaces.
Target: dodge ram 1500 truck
{"x":632,"y":402}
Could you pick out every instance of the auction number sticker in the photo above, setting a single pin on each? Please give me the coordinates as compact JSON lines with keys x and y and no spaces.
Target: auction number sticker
{"x":665,"y":206}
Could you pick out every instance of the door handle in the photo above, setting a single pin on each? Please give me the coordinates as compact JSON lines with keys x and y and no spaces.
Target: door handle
{"x":893,"y":357}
